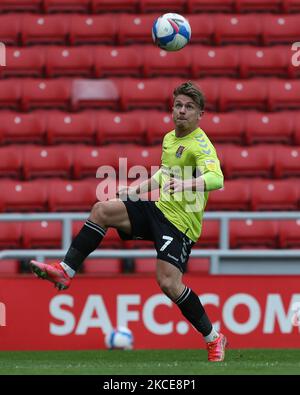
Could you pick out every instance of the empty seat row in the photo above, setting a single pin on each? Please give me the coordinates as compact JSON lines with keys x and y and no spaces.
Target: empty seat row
{"x":79,"y":161}
{"x":146,"y":127}
{"x":136,"y":28}
{"x":222,"y":94}
{"x":66,"y":195}
{"x":149,"y":61}
{"x":242,"y":234}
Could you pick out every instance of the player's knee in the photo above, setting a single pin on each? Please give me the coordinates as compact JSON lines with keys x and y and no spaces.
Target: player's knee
{"x":99,"y":214}
{"x":166,"y":284}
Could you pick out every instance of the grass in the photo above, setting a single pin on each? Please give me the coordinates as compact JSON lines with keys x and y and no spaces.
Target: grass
{"x":149,"y":362}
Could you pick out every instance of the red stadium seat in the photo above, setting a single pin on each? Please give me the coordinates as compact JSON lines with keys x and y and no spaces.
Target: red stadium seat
{"x":202,"y":26}
{"x":268,"y":128}
{"x":38,"y":93}
{"x":210,"y":88}
{"x":243,"y":94}
{"x":46,"y":161}
{"x":93,"y":29}
{"x":286,"y":161}
{"x":160,"y":63}
{"x":279,"y":29}
{"x":100,"y":267}
{"x":274,"y":195}
{"x":116,"y":5}
{"x":118,"y":61}
{"x":224,"y":127}
{"x":10,"y":235}
{"x":10,"y":27}
{"x":63,"y":127}
{"x":135,"y":28}
{"x":10,"y":93}
{"x":71,"y":195}
{"x":237,"y":29}
{"x":145,"y":265}
{"x":68,"y":61}
{"x":9,"y":266}
{"x":67,"y":5}
{"x":296,"y":128}
{"x":249,"y":161}
{"x":22,"y":128}
{"x":218,"y":61}
{"x":117,"y":127}
{"x":148,"y":158}
{"x":264,"y":61}
{"x":24,"y":62}
{"x":162,"y":5}
{"x":23,"y":196}
{"x":95,"y":93}
{"x":209,"y":237}
{"x":199,"y":266}
{"x":258,"y":5}
{"x":111,"y":240}
{"x":21,"y":5}
{"x":289,"y":233}
{"x":44,"y":29}
{"x":42,"y":234}
{"x":210,"y":5}
{"x":234,"y":196}
{"x":291,"y":5}
{"x":158,"y":123}
{"x":253,"y":234}
{"x":11,"y":162}
{"x":151,"y":93}
{"x":283,"y":94}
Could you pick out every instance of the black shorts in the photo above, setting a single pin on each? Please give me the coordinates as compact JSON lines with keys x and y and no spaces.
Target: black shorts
{"x":149,"y":223}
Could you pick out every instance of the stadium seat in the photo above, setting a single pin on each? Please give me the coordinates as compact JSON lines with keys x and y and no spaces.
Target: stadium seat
{"x":118,"y":61}
{"x":10,"y":27}
{"x":44,"y":29}
{"x":100,"y":93}
{"x":280,"y":29}
{"x":158,"y":62}
{"x":210,"y":6}
{"x":236,"y":94}
{"x":274,"y":195}
{"x":209,"y":237}
{"x":258,"y":5}
{"x":224,"y":127}
{"x":63,"y":127}
{"x":135,"y":28}
{"x":198,"y":266}
{"x":286,"y":161}
{"x":234,"y":28}
{"x":10,"y":235}
{"x":289,"y":233}
{"x":147,"y":157}
{"x":100,"y":267}
{"x":10,"y":93}
{"x":264,"y":61}
{"x":268,"y":128}
{"x":66,"y":5}
{"x":202,"y":26}
{"x":215,"y":61}
{"x":20,"y":196}
{"x":93,"y":29}
{"x":146,"y":93}
{"x":21,"y":5}
{"x":71,"y":195}
{"x":21,"y":127}
{"x":9,"y":266}
{"x":42,"y":93}
{"x":43,"y":161}
{"x":145,"y":265}
{"x":42,"y":234}
{"x":24,"y":62}
{"x":158,"y":123}
{"x":296,"y":128}
{"x":210,"y":88}
{"x":253,"y":234}
{"x":162,"y":5}
{"x":11,"y":162}
{"x":68,"y":61}
{"x":234,"y":196}
{"x":249,"y":162}
{"x":117,"y":127}
{"x":110,"y":241}
{"x":283,"y":94}
{"x":291,"y":5}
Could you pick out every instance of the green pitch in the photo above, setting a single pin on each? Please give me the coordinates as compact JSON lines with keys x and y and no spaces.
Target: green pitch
{"x":156,"y":362}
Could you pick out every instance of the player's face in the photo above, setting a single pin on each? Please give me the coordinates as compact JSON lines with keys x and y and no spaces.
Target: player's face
{"x":186,"y":114}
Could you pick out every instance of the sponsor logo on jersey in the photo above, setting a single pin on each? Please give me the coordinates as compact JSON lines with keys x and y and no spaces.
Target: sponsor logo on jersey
{"x":179,"y":151}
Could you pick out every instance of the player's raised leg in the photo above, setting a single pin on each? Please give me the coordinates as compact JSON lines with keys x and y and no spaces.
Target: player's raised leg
{"x":103,"y":215}
{"x":169,"y":278}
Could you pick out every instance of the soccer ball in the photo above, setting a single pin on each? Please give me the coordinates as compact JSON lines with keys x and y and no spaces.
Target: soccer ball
{"x":120,"y":338}
{"x":171,"y":32}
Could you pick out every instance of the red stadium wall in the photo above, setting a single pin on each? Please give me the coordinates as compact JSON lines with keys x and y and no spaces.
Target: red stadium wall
{"x":253,"y":311}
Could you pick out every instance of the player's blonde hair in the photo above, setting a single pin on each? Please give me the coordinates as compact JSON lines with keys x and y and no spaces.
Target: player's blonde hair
{"x":191,"y":90}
